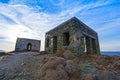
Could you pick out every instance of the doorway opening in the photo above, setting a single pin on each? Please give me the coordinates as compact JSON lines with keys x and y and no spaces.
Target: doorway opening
{"x":87,"y":44}
{"x":94,"y":49}
{"x":47,"y":42}
{"x":54,"y":44}
{"x":90,"y":45}
{"x":29,"y":47}
{"x":66,"y":41}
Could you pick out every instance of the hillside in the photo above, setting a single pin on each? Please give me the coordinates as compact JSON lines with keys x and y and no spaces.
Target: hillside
{"x":60,"y":66}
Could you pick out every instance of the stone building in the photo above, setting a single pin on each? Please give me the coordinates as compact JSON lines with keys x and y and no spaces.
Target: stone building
{"x":72,"y":35}
{"x":24,"y":44}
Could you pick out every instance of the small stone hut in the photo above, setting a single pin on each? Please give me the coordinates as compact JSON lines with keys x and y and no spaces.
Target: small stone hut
{"x":24,"y":44}
{"x":72,"y":35}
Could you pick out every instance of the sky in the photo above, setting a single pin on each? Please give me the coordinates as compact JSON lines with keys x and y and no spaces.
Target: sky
{"x":32,"y":18}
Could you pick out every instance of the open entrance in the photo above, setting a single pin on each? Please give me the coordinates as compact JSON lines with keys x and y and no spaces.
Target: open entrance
{"x":29,"y":47}
{"x":54,"y":44}
{"x":47,"y":42}
{"x":87,"y":43}
{"x":94,"y":49}
{"x":66,"y":41}
{"x":90,"y":45}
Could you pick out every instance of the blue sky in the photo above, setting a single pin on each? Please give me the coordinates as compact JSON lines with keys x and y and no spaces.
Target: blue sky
{"x":32,"y":18}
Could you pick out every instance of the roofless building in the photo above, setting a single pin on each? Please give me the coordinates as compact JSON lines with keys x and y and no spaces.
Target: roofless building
{"x":72,"y":35}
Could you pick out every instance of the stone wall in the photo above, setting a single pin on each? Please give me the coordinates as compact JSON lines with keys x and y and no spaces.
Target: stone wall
{"x":23,"y":44}
{"x":59,"y":33}
{"x":78,"y":31}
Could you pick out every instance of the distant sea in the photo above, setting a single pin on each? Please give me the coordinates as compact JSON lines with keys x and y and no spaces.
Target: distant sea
{"x":110,"y":53}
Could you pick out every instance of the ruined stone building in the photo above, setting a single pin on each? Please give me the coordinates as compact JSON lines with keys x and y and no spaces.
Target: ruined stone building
{"x":72,"y":35}
{"x":24,"y":44}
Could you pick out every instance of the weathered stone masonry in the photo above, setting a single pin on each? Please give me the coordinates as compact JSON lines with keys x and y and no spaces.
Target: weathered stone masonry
{"x":73,"y":35}
{"x":24,"y":44}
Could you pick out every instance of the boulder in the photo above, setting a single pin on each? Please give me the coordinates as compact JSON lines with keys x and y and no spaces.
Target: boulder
{"x":90,"y":76}
{"x":53,"y":69}
{"x":107,"y":76}
{"x":56,"y":75}
{"x":59,"y":53}
{"x":57,"y":68}
{"x":72,"y":69}
{"x":101,"y":76}
{"x":53,"y":62}
{"x":68,"y":55}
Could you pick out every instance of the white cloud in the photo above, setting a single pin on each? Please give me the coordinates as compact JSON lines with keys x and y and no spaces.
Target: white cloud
{"x":7,"y":46}
{"x":110,"y":46}
{"x":110,"y":26}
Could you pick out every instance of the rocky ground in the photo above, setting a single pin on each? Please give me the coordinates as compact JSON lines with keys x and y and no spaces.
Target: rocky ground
{"x":60,"y":66}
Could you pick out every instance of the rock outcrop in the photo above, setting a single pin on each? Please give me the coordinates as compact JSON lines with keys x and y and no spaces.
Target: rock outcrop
{"x":58,"y":68}
{"x":68,"y":55}
{"x":101,"y":76}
